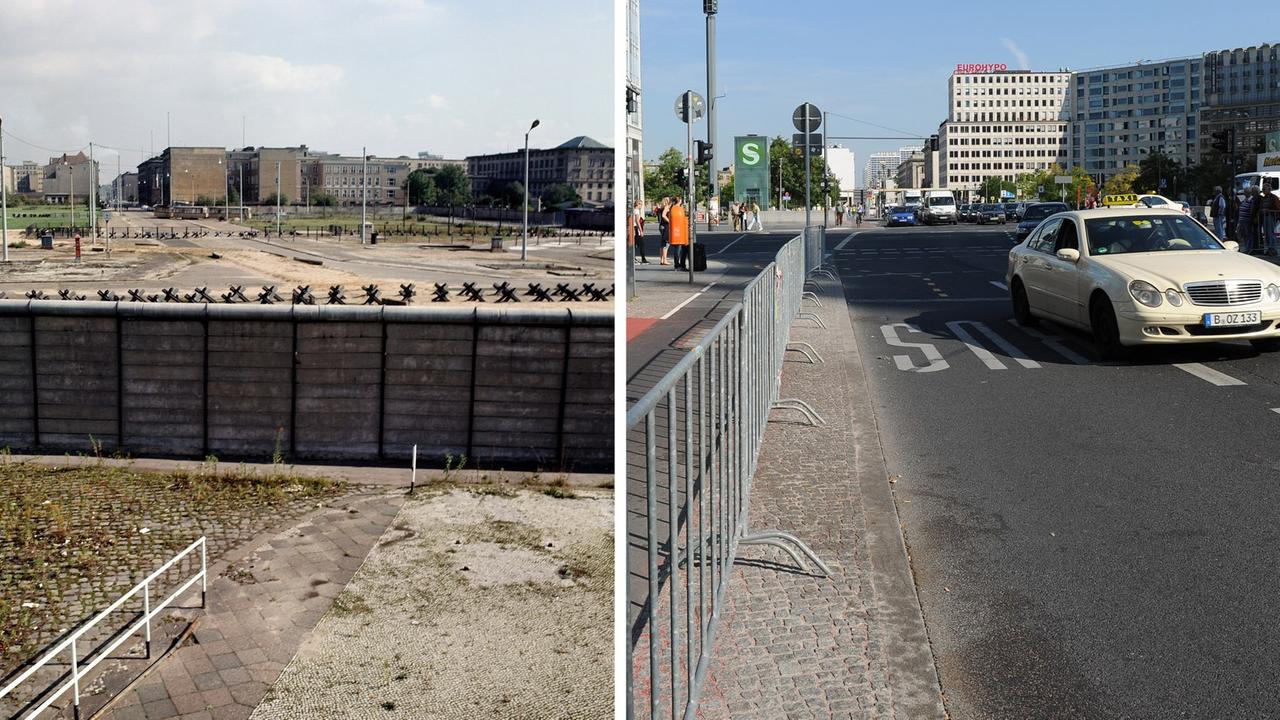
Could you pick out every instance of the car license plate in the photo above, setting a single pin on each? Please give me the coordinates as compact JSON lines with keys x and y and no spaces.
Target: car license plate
{"x":1228,"y":319}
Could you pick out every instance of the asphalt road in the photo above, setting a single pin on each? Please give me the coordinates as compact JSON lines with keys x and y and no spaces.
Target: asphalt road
{"x":1089,"y":540}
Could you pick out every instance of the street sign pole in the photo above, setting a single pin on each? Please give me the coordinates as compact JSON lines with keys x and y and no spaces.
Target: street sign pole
{"x":807,"y":200}
{"x":710,"y":7}
{"x":688,"y":113}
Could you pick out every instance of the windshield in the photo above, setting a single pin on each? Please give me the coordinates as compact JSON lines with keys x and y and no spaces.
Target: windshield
{"x":1040,"y":212}
{"x":898,"y":209}
{"x":990,"y":208}
{"x":936,"y":201}
{"x":1147,"y":233}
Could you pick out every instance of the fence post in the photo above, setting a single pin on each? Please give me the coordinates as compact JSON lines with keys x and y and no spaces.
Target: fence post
{"x":75,"y":676}
{"x":204,"y":573}
{"x":146,"y":612}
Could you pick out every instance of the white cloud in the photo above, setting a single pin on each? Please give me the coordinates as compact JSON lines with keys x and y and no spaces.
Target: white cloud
{"x":276,"y":74}
{"x":1023,"y":63}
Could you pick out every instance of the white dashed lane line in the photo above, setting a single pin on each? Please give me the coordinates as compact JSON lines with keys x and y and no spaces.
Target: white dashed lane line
{"x":999,"y":284}
{"x":1208,"y":374}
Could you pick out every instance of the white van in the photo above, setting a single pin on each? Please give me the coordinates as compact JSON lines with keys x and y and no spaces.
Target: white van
{"x":939,"y":207}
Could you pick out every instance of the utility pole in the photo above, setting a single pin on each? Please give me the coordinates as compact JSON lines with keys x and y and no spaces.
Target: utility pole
{"x":710,"y":7}
{"x":4,"y":204}
{"x":364,"y":184}
{"x":277,"y":199}
{"x":168,"y":134}
{"x":524,"y":234}
{"x":93,"y":193}
{"x":241,"y":168}
{"x":688,"y":113}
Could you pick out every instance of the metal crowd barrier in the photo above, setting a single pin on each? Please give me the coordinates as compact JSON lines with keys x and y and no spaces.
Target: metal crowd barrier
{"x":80,"y":666}
{"x":695,"y":439}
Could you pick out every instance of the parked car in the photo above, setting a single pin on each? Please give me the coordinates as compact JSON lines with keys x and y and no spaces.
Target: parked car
{"x":900,"y":215}
{"x":989,"y":214}
{"x":1035,"y":213}
{"x":964,"y":213}
{"x":1136,"y":276}
{"x":1010,"y":210}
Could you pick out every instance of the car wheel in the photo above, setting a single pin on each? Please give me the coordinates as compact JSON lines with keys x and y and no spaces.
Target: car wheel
{"x":1106,"y":333}
{"x":1021,"y":307}
{"x":1266,"y":345}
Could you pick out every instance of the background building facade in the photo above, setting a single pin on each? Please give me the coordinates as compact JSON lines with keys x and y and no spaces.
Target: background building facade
{"x":69,"y":179}
{"x":1241,"y":92}
{"x":582,"y":163}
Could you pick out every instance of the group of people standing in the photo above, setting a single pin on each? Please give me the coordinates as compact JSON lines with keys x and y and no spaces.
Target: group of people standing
{"x":746,"y":217}
{"x":673,"y":231}
{"x":1255,"y":218}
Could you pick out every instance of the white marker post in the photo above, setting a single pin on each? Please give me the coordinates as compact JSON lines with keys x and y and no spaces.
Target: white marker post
{"x":413,"y":476}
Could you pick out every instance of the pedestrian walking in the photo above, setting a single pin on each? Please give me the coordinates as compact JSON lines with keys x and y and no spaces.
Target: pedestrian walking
{"x":1218,"y":211}
{"x":1245,"y":220}
{"x":637,"y":231}
{"x":678,"y":221}
{"x":733,"y":215}
{"x":756,"y":224}
{"x":742,"y":216}
{"x":1268,"y":213}
{"x":840,"y":214}
{"x":857,"y":217}
{"x":664,"y":228}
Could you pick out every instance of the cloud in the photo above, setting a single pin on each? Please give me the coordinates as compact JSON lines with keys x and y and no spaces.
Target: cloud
{"x":1023,"y":63}
{"x":276,"y":74}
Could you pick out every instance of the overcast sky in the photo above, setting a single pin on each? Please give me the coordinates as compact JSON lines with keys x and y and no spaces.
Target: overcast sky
{"x":450,"y":76}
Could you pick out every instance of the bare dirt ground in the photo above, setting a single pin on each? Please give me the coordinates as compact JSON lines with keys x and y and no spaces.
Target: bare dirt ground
{"x":212,"y":254}
{"x":491,"y":602}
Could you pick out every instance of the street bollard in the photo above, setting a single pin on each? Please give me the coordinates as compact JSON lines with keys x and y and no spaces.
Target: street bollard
{"x":77,"y":247}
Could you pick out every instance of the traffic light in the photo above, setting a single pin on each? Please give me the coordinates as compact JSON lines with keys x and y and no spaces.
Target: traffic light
{"x":1220,"y":141}
{"x":682,"y":178}
{"x":632,"y":104}
{"x":703,"y":154}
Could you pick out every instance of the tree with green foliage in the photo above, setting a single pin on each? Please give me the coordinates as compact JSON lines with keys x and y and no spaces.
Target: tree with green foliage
{"x":993,"y":186}
{"x":1156,"y":167}
{"x":453,"y":187}
{"x":1122,"y":183}
{"x":324,"y":199}
{"x":422,"y":187}
{"x":560,"y":196}
{"x":660,"y":179}
{"x":271,"y":199}
{"x":786,"y":169}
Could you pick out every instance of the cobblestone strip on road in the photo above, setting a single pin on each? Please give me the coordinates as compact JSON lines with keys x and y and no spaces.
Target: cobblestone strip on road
{"x":796,"y":646}
{"x":261,"y":607}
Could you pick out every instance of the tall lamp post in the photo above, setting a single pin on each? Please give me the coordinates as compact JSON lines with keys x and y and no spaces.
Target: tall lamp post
{"x":710,"y":7}
{"x":524,"y":235}
{"x":4,"y":204}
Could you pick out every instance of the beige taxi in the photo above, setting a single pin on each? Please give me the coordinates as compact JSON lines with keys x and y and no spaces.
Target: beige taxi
{"x":1142,"y":276}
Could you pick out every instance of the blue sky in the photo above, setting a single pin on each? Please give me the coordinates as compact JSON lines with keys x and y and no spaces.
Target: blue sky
{"x":885,"y":62}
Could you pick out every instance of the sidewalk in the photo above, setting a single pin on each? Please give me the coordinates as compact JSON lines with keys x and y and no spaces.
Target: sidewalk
{"x":796,"y":646}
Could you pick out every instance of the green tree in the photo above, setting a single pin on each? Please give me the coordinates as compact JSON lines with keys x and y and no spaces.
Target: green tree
{"x":453,"y":186}
{"x":660,"y":179}
{"x":726,"y":192}
{"x":1156,"y":167}
{"x":271,"y":199}
{"x":560,"y":196}
{"x":1122,"y":183}
{"x":786,"y":169}
{"x":422,"y":187}
{"x":324,"y":200}
{"x":993,"y":186}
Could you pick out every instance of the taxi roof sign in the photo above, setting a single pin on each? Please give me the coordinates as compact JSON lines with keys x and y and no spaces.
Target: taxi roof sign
{"x":1129,"y":199}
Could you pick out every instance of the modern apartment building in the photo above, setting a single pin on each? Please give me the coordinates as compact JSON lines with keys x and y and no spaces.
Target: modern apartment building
{"x":880,"y":166}
{"x":1124,"y":113}
{"x":583,"y":163}
{"x":1241,"y":91}
{"x":1002,"y":123}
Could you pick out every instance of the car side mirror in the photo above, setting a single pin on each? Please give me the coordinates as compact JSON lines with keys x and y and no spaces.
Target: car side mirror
{"x":1231,"y":245}
{"x":1069,"y":254}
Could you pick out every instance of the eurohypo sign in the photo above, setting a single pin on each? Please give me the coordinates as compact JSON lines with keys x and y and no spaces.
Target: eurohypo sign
{"x":967,"y":68}
{"x":751,"y":169}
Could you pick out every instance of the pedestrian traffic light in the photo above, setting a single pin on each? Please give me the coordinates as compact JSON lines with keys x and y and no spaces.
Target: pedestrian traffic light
{"x":1220,"y":141}
{"x":703,"y":155}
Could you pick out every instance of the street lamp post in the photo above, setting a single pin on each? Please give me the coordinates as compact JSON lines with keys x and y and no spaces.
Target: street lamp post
{"x":524,"y":236}
{"x":4,"y":204}
{"x":710,"y":7}
{"x":277,"y":199}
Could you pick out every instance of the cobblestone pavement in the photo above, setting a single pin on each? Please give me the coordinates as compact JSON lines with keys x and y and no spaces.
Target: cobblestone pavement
{"x":74,"y":539}
{"x":792,"y":645}
{"x":480,"y":603}
{"x":262,"y":605}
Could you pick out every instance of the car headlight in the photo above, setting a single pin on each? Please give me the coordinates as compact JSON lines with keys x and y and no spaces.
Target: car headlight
{"x":1273,"y":293}
{"x":1145,"y":293}
{"x":1175,"y":298}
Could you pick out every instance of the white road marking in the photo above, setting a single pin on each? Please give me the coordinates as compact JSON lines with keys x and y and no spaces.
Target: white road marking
{"x":904,"y":361}
{"x":726,"y":247}
{"x":846,"y":240}
{"x":1275,"y":410}
{"x":1053,"y":344}
{"x":999,"y":284}
{"x":1208,"y":374}
{"x":984,"y":354}
{"x":688,"y":300}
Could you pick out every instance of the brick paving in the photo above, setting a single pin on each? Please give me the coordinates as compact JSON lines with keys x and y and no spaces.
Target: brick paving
{"x":262,"y":604}
{"x":793,"y":645}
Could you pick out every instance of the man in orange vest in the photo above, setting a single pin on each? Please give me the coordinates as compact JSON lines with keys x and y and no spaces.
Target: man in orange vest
{"x":679,"y":232}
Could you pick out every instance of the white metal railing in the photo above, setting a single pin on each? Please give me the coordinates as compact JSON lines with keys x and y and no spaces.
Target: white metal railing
{"x":81,"y":666}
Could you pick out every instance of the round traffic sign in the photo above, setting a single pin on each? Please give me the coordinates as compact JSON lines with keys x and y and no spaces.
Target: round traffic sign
{"x":696,"y":104}
{"x":809,"y":123}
